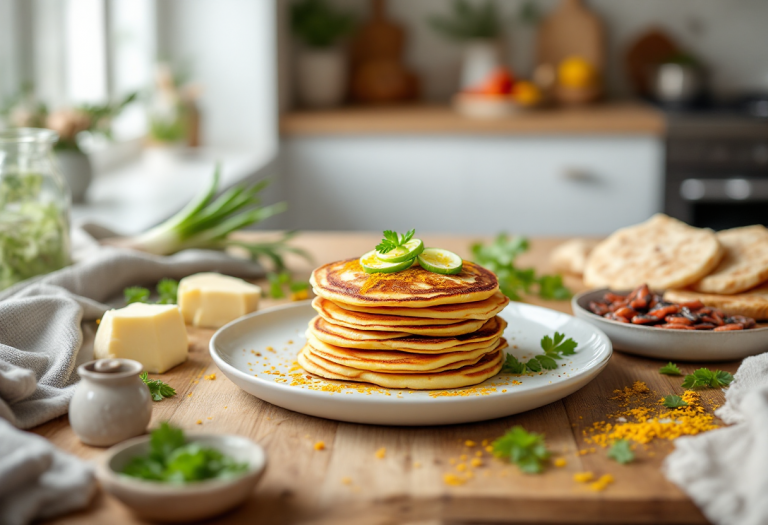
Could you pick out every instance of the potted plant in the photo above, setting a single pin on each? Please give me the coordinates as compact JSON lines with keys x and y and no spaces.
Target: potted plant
{"x":476,"y":26}
{"x":321,"y":71}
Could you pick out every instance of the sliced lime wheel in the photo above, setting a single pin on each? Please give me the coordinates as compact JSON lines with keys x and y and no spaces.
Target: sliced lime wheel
{"x":402,"y":253}
{"x":440,"y":261}
{"x":372,"y":264}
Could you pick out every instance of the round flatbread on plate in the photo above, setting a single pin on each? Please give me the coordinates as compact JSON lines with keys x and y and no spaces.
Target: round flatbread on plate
{"x":744,"y":265}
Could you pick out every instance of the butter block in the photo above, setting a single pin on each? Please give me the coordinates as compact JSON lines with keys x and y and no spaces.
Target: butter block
{"x":211,"y":300}
{"x":152,"y":334}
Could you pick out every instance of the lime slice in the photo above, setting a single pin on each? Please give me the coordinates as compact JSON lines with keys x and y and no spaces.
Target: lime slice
{"x":372,"y":264}
{"x":440,"y":261}
{"x":402,"y":253}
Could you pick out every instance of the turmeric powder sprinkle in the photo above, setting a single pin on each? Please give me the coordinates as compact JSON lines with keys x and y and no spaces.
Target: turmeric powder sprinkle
{"x":320,"y":445}
{"x":381,"y":453}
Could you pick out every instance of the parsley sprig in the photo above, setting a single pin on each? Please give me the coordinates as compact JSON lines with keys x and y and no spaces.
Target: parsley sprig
{"x":167,"y":291}
{"x":525,"y":449}
{"x":670,"y":369}
{"x":674,"y":402}
{"x":499,"y":257}
{"x":554,"y":348}
{"x":621,"y":452}
{"x":157,"y":388}
{"x":393,"y":240}
{"x":706,"y":378}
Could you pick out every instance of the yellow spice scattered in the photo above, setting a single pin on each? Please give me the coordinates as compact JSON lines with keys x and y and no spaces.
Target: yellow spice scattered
{"x":476,"y":462}
{"x":601,"y":483}
{"x":583,"y":477}
{"x":199,"y":422}
{"x":560,"y":462}
{"x":469,"y":443}
{"x":479,"y":453}
{"x":416,"y":464}
{"x":189,"y":395}
{"x":452,"y":461}
{"x":453,"y":479}
{"x":381,"y":453}
{"x":485,"y":443}
{"x":461,"y":467}
{"x":489,"y":448}
{"x":320,"y":445}
{"x":300,"y":295}
{"x":463,"y":457}
{"x":210,"y":377}
{"x":346,"y":481}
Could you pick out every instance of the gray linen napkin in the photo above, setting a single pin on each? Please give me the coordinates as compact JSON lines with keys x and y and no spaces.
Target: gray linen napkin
{"x":725,"y":471}
{"x":37,"y":480}
{"x":41,"y":340}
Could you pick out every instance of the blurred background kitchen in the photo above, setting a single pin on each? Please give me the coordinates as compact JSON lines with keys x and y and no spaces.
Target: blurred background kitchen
{"x":539,"y":117}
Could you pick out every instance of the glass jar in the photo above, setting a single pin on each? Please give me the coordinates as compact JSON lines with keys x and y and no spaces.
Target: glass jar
{"x":34,"y":206}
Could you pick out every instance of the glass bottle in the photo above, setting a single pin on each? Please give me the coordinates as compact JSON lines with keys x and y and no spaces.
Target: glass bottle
{"x":34,"y":206}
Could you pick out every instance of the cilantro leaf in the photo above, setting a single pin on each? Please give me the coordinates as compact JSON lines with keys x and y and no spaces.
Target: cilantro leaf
{"x":674,"y":402}
{"x":526,"y":449}
{"x":158,"y":389}
{"x":621,"y":452}
{"x":670,"y":369}
{"x":393,"y":240}
{"x":554,"y":347}
{"x":408,"y":236}
{"x":168,"y":289}
{"x":546,"y":362}
{"x":705,"y":378}
{"x":533,"y":365}
{"x":513,"y":366}
{"x":136,"y":294}
{"x":721,"y":378}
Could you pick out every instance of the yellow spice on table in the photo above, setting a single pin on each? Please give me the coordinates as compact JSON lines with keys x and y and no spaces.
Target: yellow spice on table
{"x":461,"y":467}
{"x":453,"y":479}
{"x":476,"y":462}
{"x":469,"y":443}
{"x":560,"y":462}
{"x":381,"y":453}
{"x":583,"y":477}
{"x":601,"y":483}
{"x":320,"y":445}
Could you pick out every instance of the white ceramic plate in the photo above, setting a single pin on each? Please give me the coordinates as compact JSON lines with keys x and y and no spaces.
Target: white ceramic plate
{"x":278,"y":334}
{"x":675,"y":345}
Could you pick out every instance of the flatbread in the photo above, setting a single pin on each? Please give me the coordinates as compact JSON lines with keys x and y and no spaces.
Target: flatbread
{"x":662,"y":252}
{"x":752,"y":303}
{"x":487,"y":367}
{"x":350,"y":338}
{"x":571,"y":256}
{"x":744,"y":265}
{"x":484,"y":309}
{"x":338,"y":316}
{"x":394,"y":361}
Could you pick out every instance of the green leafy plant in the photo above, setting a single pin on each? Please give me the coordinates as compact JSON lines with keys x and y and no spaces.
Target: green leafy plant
{"x":467,"y":21}
{"x":706,"y":378}
{"x":318,"y":25}
{"x":167,"y":290}
{"x":499,"y":257}
{"x":674,"y":402}
{"x":278,"y":281}
{"x":393,"y":240}
{"x":525,"y":449}
{"x":172,"y":459}
{"x":670,"y":369}
{"x":158,"y":389}
{"x":621,"y":452}
{"x":136,"y":294}
{"x":554,"y":348}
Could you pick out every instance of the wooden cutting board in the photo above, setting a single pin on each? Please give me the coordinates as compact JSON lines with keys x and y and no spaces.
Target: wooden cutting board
{"x":571,"y":30}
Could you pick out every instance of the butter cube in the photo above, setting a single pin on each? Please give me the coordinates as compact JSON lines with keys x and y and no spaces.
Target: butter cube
{"x":211,"y":300}
{"x":152,"y":334}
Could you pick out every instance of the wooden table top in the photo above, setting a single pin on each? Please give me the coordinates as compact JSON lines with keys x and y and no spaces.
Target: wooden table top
{"x":303,"y":485}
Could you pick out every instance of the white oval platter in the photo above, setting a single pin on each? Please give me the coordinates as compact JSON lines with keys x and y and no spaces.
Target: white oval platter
{"x":258,"y":353}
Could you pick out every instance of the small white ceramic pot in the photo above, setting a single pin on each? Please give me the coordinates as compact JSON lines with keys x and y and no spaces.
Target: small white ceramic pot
{"x":77,"y":171}
{"x":479,"y":59}
{"x":111,"y":403}
{"x":321,"y":77}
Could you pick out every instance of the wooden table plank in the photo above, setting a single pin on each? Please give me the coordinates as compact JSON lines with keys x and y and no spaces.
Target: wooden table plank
{"x":347,"y":483}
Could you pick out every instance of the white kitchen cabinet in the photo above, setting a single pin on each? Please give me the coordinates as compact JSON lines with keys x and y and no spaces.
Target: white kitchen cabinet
{"x":534,"y":185}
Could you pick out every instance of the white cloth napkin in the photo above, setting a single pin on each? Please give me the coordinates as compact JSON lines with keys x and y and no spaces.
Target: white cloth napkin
{"x":725,"y":471}
{"x":37,"y":480}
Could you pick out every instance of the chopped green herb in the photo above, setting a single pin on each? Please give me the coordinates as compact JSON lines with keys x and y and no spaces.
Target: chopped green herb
{"x":674,"y":402}
{"x":670,"y":369}
{"x":393,"y":240}
{"x":499,"y":257}
{"x":525,"y":449}
{"x":621,"y":452}
{"x":136,"y":294}
{"x":168,"y":289}
{"x":705,"y":378}
{"x":553,"y":348}
{"x":172,"y":459}
{"x":157,"y":388}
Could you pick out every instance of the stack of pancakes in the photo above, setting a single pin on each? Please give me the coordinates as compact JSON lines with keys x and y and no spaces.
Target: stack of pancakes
{"x":409,"y":329}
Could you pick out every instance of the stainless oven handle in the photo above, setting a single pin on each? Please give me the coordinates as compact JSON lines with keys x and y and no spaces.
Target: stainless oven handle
{"x":724,"y":190}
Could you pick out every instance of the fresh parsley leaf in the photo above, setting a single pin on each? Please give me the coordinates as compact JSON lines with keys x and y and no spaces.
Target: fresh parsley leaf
{"x":674,"y":402}
{"x":621,"y":452}
{"x":513,"y":366}
{"x":393,"y":240}
{"x":168,"y":289}
{"x":670,"y":369}
{"x":553,"y":348}
{"x":157,"y":388}
{"x":533,"y":365}
{"x":136,"y":294}
{"x":546,"y":362}
{"x":499,"y":257}
{"x":525,"y":449}
{"x":705,"y":378}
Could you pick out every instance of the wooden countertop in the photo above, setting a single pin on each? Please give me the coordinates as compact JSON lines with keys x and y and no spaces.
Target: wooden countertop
{"x":614,"y":118}
{"x":303,"y":485}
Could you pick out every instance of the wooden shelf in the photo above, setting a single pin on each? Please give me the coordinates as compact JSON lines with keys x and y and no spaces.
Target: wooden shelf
{"x":608,"y":118}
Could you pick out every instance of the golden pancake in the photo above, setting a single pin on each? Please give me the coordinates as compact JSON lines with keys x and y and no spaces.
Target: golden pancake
{"x":363,"y":340}
{"x":346,"y":282}
{"x":488,"y":366}
{"x":335,"y":315}
{"x":394,"y":361}
{"x":476,"y":310}
{"x":335,"y":312}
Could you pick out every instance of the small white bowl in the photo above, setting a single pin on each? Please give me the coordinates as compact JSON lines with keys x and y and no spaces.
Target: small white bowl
{"x":182,"y":503}
{"x":677,"y":345}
